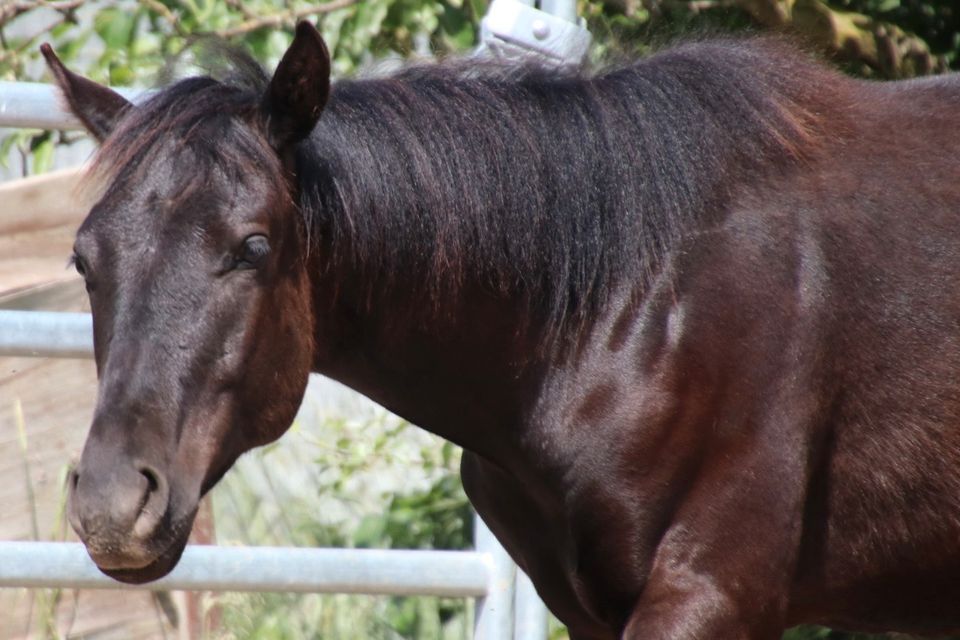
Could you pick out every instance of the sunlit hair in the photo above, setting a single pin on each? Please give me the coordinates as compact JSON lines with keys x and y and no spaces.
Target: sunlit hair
{"x":556,"y":186}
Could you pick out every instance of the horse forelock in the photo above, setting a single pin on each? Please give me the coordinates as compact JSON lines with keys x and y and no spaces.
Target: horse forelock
{"x":214,"y":119}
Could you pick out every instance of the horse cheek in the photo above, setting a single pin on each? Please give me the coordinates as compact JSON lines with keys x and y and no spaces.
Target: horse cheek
{"x":280,"y":373}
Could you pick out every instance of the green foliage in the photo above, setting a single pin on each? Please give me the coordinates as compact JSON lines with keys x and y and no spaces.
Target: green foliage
{"x":369,"y":481}
{"x":874,"y":38}
{"x":936,"y":23}
{"x":437,"y":518}
{"x":131,"y":42}
{"x":127,"y":42}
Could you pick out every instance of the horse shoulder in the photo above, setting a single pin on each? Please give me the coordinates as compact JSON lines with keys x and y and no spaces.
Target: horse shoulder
{"x":681,"y":428}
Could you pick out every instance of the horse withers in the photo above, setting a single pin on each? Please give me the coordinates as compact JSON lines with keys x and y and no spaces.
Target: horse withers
{"x":694,"y":319}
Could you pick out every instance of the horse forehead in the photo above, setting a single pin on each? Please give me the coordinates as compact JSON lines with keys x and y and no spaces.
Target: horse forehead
{"x":171,"y":208}
{"x":154,"y":284}
{"x":133,"y":226}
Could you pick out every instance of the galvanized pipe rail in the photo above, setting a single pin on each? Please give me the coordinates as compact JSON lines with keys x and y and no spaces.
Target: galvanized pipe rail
{"x":35,"y":105}
{"x":47,"y":334}
{"x":464,"y":574}
{"x":487,"y":574}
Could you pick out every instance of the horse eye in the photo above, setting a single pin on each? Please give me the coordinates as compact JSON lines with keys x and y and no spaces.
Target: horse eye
{"x":79,"y":264}
{"x":254,"y":249}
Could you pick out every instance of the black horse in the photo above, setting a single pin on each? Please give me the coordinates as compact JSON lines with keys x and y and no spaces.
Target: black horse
{"x":695,"y":321}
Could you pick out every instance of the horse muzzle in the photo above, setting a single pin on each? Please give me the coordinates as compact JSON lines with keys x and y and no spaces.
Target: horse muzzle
{"x":121,"y":512}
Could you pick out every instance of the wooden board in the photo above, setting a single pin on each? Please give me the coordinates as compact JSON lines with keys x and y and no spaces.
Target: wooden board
{"x":38,"y":219}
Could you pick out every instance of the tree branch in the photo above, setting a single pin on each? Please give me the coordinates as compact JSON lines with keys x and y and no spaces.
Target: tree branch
{"x":769,"y":13}
{"x":279,"y":19}
{"x":242,"y":8}
{"x":164,"y":12}
{"x":884,"y":47}
{"x":10,"y":11}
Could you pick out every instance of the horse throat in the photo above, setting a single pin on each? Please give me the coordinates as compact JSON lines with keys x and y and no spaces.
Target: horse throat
{"x":465,"y":373}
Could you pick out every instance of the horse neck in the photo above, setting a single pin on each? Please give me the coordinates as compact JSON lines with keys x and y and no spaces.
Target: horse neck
{"x":466,"y":374}
{"x":445,"y":218}
{"x":404,"y":312}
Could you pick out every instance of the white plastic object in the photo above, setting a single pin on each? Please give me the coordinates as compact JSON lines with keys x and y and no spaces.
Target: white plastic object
{"x":512,"y":28}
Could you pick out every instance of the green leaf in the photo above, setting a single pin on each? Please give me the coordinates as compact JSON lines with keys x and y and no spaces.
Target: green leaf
{"x":59,"y":30}
{"x":370,"y":532}
{"x":478,"y":8}
{"x":42,"y":154}
{"x":121,"y":75}
{"x":458,"y":31}
{"x":67,"y":50}
{"x":7,"y":145}
{"x":115,"y":27}
{"x":145,"y":44}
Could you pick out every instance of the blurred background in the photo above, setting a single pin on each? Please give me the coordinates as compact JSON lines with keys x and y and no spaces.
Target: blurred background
{"x":348,"y":474}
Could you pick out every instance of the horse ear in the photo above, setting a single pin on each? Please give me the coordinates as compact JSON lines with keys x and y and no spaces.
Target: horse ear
{"x":96,"y":106}
{"x":299,"y":89}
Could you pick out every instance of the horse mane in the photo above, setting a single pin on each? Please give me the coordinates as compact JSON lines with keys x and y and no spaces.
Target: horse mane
{"x":559,"y":186}
{"x":201,"y":113}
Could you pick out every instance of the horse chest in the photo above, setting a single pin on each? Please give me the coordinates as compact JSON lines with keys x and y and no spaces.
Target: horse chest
{"x":580,"y":576}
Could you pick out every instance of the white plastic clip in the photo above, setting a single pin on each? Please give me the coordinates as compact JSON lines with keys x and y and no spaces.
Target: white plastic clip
{"x":512,"y":28}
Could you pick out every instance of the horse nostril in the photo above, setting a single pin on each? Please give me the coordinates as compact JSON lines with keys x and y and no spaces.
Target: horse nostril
{"x":152,"y":482}
{"x":73,"y":479}
{"x":153,"y":503}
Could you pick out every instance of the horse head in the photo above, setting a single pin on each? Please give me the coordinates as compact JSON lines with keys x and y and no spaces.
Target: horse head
{"x":197,"y":272}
